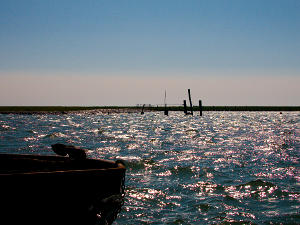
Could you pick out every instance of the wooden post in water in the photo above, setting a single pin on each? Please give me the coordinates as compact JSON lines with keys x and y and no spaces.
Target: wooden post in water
{"x":142,"y":113}
{"x":200,"y":107}
{"x":184,"y":107}
{"x":166,"y":111}
{"x":190,"y":98}
{"x":165,"y":101}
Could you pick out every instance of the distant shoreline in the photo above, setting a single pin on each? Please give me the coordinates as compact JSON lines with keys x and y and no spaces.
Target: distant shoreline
{"x":131,"y":109}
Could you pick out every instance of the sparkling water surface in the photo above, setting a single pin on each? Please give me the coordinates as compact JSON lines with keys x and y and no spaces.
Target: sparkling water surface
{"x":222,"y":168}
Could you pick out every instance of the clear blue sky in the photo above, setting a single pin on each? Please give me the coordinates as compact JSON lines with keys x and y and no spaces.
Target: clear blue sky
{"x":190,"y":39}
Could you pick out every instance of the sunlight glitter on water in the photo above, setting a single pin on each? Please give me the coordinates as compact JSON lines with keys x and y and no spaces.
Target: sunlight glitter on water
{"x":223,"y":167}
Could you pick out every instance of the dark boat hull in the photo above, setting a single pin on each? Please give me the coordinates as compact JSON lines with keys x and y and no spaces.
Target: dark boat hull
{"x":57,"y":190}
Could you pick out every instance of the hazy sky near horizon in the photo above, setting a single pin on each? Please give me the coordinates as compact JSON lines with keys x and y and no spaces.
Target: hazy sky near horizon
{"x":127,"y":52}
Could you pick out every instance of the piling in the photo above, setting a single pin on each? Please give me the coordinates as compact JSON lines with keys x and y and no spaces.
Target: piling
{"x":165,"y":102}
{"x":184,"y":107}
{"x":200,"y":107}
{"x":142,"y":113}
{"x":190,"y":99}
{"x":166,"y":111}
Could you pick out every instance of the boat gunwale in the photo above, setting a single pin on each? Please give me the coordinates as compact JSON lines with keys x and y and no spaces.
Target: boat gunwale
{"x":119,"y":165}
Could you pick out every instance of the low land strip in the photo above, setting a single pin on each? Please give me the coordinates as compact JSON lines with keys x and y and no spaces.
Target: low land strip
{"x":133,"y":109}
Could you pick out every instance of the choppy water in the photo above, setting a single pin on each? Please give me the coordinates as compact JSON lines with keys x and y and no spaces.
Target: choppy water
{"x":219,"y":169}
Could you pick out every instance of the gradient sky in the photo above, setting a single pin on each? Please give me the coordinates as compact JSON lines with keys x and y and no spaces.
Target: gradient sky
{"x":127,"y":52}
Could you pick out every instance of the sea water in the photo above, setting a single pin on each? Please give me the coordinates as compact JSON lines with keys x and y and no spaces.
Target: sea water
{"x":222,"y":168}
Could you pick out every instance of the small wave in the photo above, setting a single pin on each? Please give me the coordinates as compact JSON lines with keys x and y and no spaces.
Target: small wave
{"x":205,"y":207}
{"x":205,"y":188}
{"x":141,"y":164}
{"x":182,"y":171}
{"x":135,"y":165}
{"x":113,"y":137}
{"x":257,"y":183}
{"x":258,"y":189}
{"x":191,"y":131}
{"x":6,"y":127}
{"x":97,"y":131}
{"x":133,"y":162}
{"x":55,"y":135}
{"x":285,"y":219}
{"x":124,"y":137}
{"x":31,"y":131}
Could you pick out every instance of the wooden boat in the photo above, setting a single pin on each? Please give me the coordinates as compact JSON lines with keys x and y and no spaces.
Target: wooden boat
{"x":37,"y":189}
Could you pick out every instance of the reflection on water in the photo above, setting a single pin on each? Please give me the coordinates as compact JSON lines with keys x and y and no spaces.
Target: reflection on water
{"x":221,"y":168}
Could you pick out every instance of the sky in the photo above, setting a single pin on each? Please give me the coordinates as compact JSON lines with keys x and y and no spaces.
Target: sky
{"x":128,"y":52}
